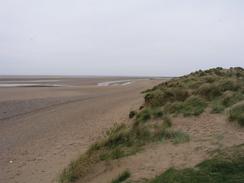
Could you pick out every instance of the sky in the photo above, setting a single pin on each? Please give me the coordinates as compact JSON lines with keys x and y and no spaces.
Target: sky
{"x":119,"y":37}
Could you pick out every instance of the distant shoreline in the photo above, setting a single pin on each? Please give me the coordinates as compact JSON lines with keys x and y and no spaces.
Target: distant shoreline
{"x":2,"y":77}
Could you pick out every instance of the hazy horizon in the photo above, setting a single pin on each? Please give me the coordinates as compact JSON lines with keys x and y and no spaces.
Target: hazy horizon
{"x":120,"y":38}
{"x":80,"y":75}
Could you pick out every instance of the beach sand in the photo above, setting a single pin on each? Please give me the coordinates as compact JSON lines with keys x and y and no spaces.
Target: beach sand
{"x":43,"y":128}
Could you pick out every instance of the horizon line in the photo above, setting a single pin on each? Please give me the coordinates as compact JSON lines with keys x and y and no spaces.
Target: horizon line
{"x":77,"y":75}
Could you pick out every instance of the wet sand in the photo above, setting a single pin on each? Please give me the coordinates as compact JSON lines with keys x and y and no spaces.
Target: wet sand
{"x":43,"y":128}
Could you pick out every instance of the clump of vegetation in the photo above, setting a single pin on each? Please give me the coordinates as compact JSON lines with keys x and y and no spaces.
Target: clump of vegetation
{"x":230,"y":98}
{"x":121,"y":141}
{"x":208,"y":91}
{"x":217,"y":106}
{"x":190,"y":95}
{"x":144,"y":115}
{"x":122,"y":177}
{"x":157,"y":113}
{"x":192,"y":106}
{"x":169,"y":94}
{"x":167,"y":122}
{"x":149,"y":113}
{"x":180,"y":137}
{"x":236,"y":113}
{"x":132,"y":114}
{"x":226,"y":167}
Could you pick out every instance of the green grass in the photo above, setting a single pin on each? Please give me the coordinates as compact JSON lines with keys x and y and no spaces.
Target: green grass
{"x":160,"y":97}
{"x":193,"y":106}
{"x":157,"y":113}
{"x":144,"y":115}
{"x":223,"y":168}
{"x":122,"y":177}
{"x":78,"y":168}
{"x":229,"y":98}
{"x":149,"y":113}
{"x":236,"y":113}
{"x":191,"y":94}
{"x":208,"y":91}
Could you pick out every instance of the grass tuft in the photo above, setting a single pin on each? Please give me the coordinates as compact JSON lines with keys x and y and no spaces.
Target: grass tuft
{"x":167,"y":122}
{"x":236,"y":113}
{"x":180,"y":137}
{"x":122,"y":177}
{"x":143,"y":116}
{"x":193,"y":106}
{"x":209,"y":91}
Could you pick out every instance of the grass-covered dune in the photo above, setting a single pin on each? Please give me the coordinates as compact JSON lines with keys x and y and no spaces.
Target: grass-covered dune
{"x":216,"y":90}
{"x":220,"y":90}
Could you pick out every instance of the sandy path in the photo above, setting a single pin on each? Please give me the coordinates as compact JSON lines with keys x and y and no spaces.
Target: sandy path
{"x":40,"y":143}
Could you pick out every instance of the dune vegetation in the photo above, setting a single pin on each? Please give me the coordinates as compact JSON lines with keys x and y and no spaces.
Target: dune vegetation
{"x":120,"y":141}
{"x":236,"y":113}
{"x":226,"y":166}
{"x":220,"y":90}
{"x":122,"y":177}
{"x":215,"y":91}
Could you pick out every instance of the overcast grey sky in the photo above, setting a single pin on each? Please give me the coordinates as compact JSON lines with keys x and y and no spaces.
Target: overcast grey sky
{"x":120,"y":37}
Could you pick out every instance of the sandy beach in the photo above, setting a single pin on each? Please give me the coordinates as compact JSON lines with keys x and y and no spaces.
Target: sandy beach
{"x":47,"y":122}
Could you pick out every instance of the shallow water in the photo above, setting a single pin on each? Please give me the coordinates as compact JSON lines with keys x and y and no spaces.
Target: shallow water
{"x":7,"y":85}
{"x":115,"y":83}
{"x":29,"y":81}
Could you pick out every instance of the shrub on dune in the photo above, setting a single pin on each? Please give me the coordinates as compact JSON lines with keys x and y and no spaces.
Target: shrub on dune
{"x":228,"y":84}
{"x":161,"y":97}
{"x":193,"y":106}
{"x":236,"y":113}
{"x":143,"y":116}
{"x":209,"y":91}
{"x":229,"y":98}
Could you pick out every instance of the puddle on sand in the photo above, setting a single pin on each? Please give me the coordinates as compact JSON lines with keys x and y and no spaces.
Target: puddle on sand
{"x":115,"y":83}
